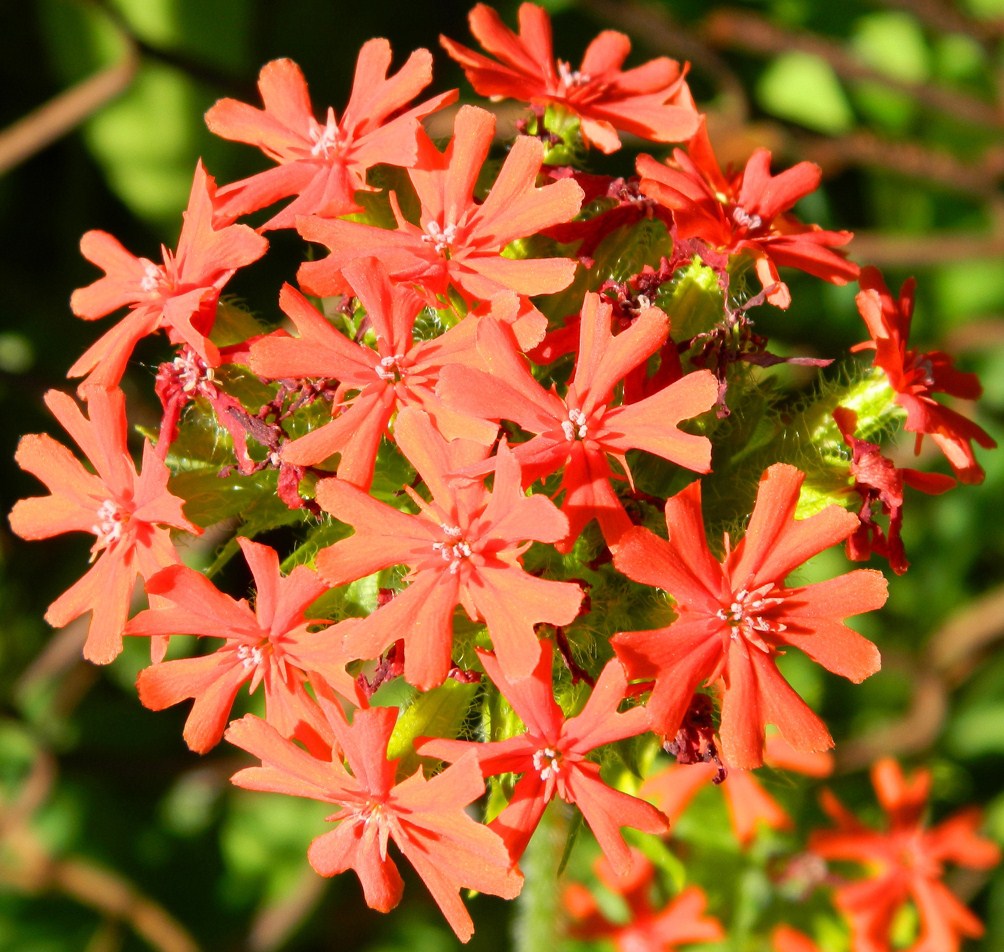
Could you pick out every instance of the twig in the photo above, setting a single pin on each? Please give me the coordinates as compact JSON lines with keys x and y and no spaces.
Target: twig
{"x":65,"y":112}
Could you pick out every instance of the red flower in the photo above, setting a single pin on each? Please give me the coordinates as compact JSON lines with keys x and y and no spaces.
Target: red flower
{"x":651,"y":101}
{"x":917,"y":376}
{"x":179,"y":295}
{"x":576,"y":434}
{"x":736,"y":616}
{"x":400,"y":372}
{"x":551,"y":756}
{"x":905,"y":864}
{"x":880,"y":484}
{"x":425,"y":819}
{"x":324,"y":165}
{"x":458,"y":242}
{"x":786,"y":939}
{"x":128,"y":513}
{"x":463,"y":549}
{"x":747,"y":213}
{"x":650,"y":927}
{"x":268,"y":644}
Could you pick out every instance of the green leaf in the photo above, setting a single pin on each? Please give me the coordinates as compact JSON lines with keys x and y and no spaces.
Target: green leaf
{"x":437,"y":713}
{"x":804,"y":89}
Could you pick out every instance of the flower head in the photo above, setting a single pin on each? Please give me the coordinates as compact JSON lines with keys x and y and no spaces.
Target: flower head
{"x":271,"y":644}
{"x":551,"y":756}
{"x":457,"y":241}
{"x":180,"y":294}
{"x":747,"y":213}
{"x":736,"y":616}
{"x":916,"y":377}
{"x":651,"y":101}
{"x":463,"y":548}
{"x":905,"y":863}
{"x":651,"y":926}
{"x":128,"y":513}
{"x":324,"y":163}
{"x":424,"y":819}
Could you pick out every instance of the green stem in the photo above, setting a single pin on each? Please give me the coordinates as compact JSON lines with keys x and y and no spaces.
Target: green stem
{"x":539,"y":923}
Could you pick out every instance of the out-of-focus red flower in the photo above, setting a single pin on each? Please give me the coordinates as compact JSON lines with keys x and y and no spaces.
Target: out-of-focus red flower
{"x":748,"y":804}
{"x":904,"y":864}
{"x":651,"y":926}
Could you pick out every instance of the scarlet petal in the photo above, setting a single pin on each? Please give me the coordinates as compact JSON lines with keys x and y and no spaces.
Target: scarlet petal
{"x":343,"y":848}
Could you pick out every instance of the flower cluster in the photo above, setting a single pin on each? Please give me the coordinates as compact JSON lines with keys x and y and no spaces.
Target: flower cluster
{"x":495,"y":422}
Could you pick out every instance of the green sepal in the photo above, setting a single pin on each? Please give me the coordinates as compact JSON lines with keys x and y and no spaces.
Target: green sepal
{"x":693,"y":299}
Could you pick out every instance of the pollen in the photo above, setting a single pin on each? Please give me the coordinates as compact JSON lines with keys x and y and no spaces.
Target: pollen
{"x":571,"y":78}
{"x":153,"y":278}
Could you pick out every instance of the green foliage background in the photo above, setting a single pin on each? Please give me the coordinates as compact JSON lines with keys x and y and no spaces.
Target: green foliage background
{"x":111,"y":832}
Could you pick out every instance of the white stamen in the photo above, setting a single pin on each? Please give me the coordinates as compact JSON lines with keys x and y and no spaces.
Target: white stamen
{"x":192,"y":371}
{"x":108,"y":529}
{"x":325,"y":138}
{"x":575,"y":426}
{"x":440,"y":238}
{"x":452,"y":553}
{"x":250,"y":657}
{"x":388,"y":368}
{"x":745,"y":615}
{"x":745,"y":220}
{"x":153,"y":277}
{"x":547,"y":762}
{"x":571,"y":77}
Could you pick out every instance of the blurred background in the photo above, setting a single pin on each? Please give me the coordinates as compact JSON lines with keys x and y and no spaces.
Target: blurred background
{"x":113,"y":837}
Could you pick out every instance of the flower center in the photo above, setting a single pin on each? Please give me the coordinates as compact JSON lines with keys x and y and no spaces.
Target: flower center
{"x":389,"y":368}
{"x":250,"y":656}
{"x":191,"y":371}
{"x":547,"y":762}
{"x":570,"y":78}
{"x":453,"y":551}
{"x":744,"y":219}
{"x":746,"y":615}
{"x":325,"y":138}
{"x":574,"y":427}
{"x":109,"y":527}
{"x":154,"y":278}
{"x":440,"y":238}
